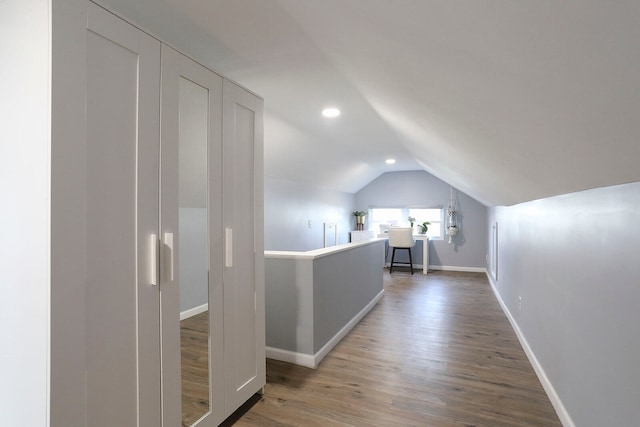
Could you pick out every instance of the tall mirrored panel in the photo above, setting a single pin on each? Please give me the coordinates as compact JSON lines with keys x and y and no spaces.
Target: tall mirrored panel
{"x":194,"y":252}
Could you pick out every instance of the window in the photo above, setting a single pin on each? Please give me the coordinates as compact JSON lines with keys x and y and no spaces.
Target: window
{"x":399,"y":217}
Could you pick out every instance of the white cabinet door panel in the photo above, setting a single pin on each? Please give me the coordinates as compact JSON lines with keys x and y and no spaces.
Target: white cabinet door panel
{"x":244,"y":280}
{"x":121,"y":209}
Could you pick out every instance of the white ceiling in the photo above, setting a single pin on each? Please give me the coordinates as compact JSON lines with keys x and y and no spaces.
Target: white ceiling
{"x":507,"y":101}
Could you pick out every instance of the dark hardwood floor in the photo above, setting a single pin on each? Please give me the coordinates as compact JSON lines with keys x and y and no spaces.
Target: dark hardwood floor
{"x":436,"y":351}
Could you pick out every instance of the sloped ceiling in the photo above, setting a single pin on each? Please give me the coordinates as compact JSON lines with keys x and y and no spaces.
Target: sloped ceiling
{"x":508,"y":101}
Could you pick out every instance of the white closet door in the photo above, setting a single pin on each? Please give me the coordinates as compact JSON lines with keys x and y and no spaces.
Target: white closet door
{"x":122,"y":305}
{"x":244,"y":251}
{"x":191,"y":229}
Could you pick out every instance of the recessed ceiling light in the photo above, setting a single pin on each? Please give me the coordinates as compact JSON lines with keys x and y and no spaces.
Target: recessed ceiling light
{"x":390,"y":161}
{"x":331,"y":112}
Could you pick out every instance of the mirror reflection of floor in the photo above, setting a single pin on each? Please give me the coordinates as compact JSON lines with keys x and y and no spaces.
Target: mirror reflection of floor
{"x":194,"y":345}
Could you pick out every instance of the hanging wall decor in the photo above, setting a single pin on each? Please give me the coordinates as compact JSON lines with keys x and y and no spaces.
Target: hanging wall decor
{"x":452,"y":226}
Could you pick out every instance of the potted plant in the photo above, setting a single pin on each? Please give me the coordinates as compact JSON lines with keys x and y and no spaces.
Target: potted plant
{"x":411,"y":220}
{"x":424,"y":227}
{"x":359,"y":219}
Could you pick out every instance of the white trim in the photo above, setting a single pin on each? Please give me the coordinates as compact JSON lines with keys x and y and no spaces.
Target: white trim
{"x":445,"y":268}
{"x":456,"y":268}
{"x":193,"y":311}
{"x":561,"y":411}
{"x":345,"y":329}
{"x":318,"y":253}
{"x":301,"y":359}
{"x":312,"y":361}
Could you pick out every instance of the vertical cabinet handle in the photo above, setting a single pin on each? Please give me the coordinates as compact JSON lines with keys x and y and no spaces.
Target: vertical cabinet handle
{"x":153,"y":259}
{"x":169,"y":257}
{"x":228,"y":252}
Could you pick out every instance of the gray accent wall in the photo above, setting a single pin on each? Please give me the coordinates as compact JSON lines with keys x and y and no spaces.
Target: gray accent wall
{"x":194,"y":258}
{"x":575,"y":262}
{"x":310,"y":299}
{"x":421,"y":189}
{"x":343,"y":284}
{"x":289,"y":304}
{"x":290,"y":205}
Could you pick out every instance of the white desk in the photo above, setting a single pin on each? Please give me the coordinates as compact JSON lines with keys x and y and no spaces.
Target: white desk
{"x":362,"y":235}
{"x":425,"y":249}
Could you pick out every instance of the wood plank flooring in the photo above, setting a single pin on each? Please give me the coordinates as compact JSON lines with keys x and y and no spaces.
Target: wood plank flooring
{"x":436,"y":351}
{"x":194,"y":350}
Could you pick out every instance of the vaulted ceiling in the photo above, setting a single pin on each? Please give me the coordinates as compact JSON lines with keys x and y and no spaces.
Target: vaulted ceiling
{"x":507,"y":101}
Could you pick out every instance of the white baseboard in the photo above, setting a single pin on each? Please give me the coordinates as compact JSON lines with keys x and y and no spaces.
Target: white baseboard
{"x":561,"y":411}
{"x":302,"y":359}
{"x":455,"y":268}
{"x":312,"y":361}
{"x":345,"y":329}
{"x":193,"y":311}
{"x":446,"y":268}
{"x":415,"y":266}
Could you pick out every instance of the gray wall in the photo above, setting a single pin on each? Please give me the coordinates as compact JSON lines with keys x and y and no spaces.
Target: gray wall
{"x":343,"y":284}
{"x":308,"y":301}
{"x":289,"y":304}
{"x":290,"y":205}
{"x":421,"y":189}
{"x":194,"y":258}
{"x":575,"y":261}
